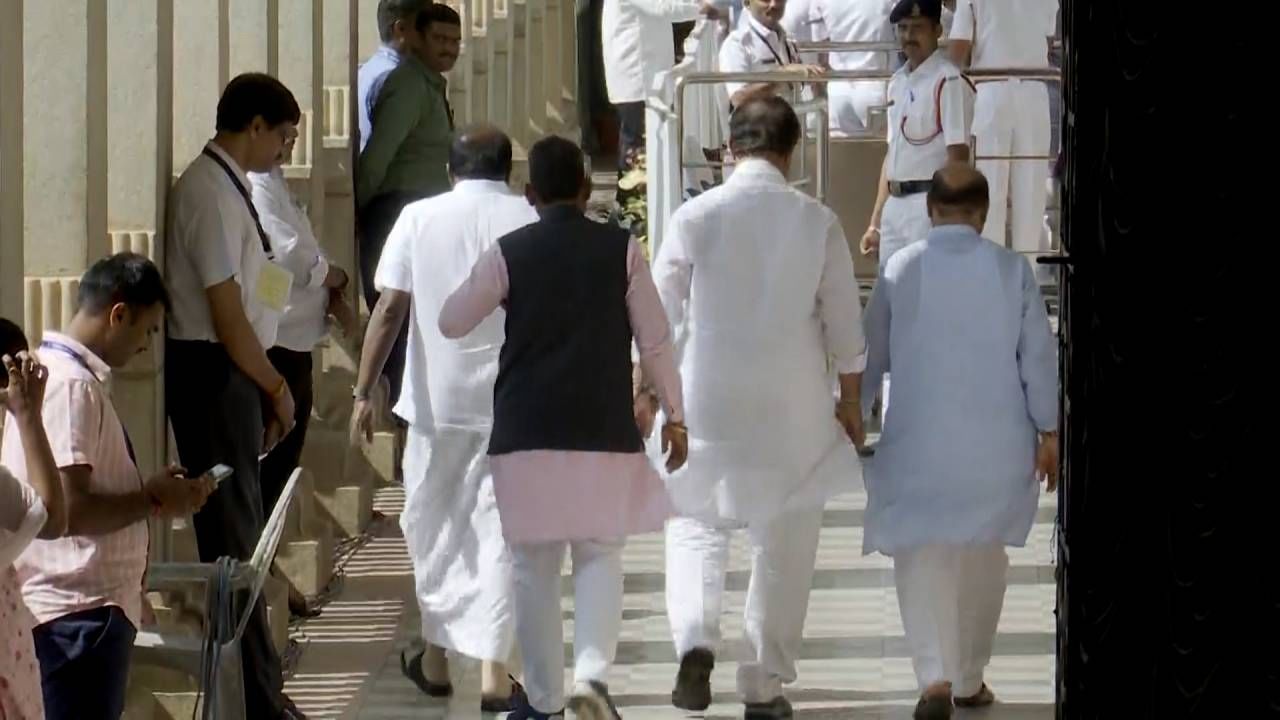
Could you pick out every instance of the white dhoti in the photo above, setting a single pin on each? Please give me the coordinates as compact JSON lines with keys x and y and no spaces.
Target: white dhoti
{"x":461,"y":566}
{"x":951,"y":598}
{"x":597,"y":615}
{"x":782,"y":564}
{"x":1013,"y":119}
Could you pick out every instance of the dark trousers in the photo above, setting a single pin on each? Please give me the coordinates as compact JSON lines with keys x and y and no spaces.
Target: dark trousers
{"x":279,"y":465}
{"x":630,"y":131}
{"x":84,"y":663}
{"x":217,"y":417}
{"x":376,"y":220}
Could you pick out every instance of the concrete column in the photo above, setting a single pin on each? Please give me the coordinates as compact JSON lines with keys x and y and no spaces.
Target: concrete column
{"x":11,"y":165}
{"x":553,"y":61}
{"x":139,"y":111}
{"x":569,"y":68}
{"x":302,"y":70}
{"x":64,"y":141}
{"x":534,"y":60}
{"x":339,"y":39}
{"x":521,"y":135}
{"x":476,"y":18}
{"x":254,"y":38}
{"x":500,"y":64}
{"x":201,"y":68}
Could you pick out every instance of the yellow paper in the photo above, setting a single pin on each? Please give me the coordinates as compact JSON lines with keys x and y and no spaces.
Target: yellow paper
{"x":274,"y":283}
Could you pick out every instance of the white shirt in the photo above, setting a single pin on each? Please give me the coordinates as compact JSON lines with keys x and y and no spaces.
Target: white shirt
{"x":429,"y":253}
{"x":639,"y":43}
{"x":303,"y":324}
{"x":849,"y":102}
{"x":212,"y":238}
{"x":757,"y":279}
{"x":753,"y":47}
{"x":1006,"y":33}
{"x":930,"y":109}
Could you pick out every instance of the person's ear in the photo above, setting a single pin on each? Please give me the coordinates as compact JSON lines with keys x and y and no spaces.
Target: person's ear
{"x":118,"y":315}
{"x":530,"y":195}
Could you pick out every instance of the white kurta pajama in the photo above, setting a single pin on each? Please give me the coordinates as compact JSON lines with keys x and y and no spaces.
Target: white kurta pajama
{"x":962,"y":324}
{"x":758,"y":282}
{"x":462,"y":568}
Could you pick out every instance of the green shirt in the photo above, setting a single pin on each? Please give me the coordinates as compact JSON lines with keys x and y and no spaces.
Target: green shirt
{"x":408,"y":149}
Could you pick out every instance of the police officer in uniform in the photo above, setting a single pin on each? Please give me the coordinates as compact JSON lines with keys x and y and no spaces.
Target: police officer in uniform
{"x":930,"y":111}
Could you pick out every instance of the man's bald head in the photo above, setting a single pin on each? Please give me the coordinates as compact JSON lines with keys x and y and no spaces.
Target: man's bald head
{"x":959,"y":195}
{"x":480,"y":152}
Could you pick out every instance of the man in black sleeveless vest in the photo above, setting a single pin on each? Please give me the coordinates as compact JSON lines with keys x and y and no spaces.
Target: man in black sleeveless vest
{"x":568,"y":461}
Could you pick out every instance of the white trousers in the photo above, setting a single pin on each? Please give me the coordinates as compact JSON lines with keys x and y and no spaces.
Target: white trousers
{"x":1018,"y":124}
{"x":951,"y":598}
{"x":782,"y":562}
{"x":904,"y":221}
{"x":597,"y":615}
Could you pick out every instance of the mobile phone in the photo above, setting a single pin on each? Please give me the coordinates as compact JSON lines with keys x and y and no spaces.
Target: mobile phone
{"x":219,"y":472}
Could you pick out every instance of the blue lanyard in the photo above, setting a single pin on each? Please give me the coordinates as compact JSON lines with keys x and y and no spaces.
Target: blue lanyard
{"x":70,"y":352}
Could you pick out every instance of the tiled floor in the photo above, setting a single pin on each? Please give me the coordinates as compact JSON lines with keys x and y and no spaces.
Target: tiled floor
{"x":854,"y":662}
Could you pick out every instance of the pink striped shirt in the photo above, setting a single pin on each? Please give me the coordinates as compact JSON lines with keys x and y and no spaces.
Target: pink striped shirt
{"x":548,"y":495}
{"x":78,"y":573}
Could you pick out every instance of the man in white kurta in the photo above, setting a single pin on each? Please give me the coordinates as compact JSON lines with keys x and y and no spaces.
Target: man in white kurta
{"x":1011,"y":118}
{"x":961,"y":322}
{"x":758,"y":282}
{"x":462,"y":569}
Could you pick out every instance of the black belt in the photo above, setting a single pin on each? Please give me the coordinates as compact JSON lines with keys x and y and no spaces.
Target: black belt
{"x":909,"y":187}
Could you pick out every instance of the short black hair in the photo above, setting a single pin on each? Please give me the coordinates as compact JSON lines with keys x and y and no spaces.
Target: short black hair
{"x":256,"y":94}
{"x":557,"y":169}
{"x":480,"y":152}
{"x":764,"y":123}
{"x":127,"y":278}
{"x":392,"y":11}
{"x":959,"y":187}
{"x":437,"y":13}
{"x":12,"y":339}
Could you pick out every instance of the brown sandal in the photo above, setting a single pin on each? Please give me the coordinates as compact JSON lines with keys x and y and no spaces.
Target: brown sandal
{"x":982,"y":698}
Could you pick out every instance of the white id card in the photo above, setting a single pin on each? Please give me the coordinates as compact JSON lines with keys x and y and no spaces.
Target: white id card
{"x":274,"y":284}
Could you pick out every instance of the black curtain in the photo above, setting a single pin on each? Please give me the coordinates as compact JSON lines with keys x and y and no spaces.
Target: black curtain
{"x":1168,"y":605}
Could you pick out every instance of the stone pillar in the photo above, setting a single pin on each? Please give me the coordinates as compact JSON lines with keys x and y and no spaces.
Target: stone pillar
{"x":64,"y":139}
{"x":569,"y":69}
{"x":254,"y":38}
{"x":500,"y":64}
{"x":552,"y":61}
{"x":302,"y":70}
{"x":11,"y":165}
{"x":520,"y":132}
{"x":536,"y":73}
{"x":139,"y":114}
{"x":201,"y":68}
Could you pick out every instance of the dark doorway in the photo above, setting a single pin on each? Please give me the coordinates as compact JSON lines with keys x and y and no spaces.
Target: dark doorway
{"x":1168,"y":606}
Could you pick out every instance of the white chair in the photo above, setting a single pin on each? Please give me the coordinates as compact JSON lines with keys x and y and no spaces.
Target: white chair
{"x":185,"y":652}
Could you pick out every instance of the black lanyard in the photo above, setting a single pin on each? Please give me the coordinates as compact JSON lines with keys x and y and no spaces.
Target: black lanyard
{"x":244,"y":195}
{"x":70,"y":352}
{"x":776,"y":56}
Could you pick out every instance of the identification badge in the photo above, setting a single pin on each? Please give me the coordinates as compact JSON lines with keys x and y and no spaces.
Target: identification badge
{"x":274,"y":284}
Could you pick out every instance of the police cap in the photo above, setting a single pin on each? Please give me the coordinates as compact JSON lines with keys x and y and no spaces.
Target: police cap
{"x":916,"y":8}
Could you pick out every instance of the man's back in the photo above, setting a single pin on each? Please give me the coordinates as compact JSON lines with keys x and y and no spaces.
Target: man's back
{"x":429,"y":253}
{"x":961,"y":324}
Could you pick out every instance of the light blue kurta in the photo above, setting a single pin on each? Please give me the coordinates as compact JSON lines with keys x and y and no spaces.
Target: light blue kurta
{"x":961,"y":324}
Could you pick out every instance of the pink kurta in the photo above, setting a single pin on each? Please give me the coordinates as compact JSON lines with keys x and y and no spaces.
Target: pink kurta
{"x":551,"y":495}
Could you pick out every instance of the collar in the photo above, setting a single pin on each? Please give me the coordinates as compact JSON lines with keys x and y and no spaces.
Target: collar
{"x":231,"y":163}
{"x":387,"y":52}
{"x":952,"y":233}
{"x":763,"y":30}
{"x":929,"y":65}
{"x":481,"y":187}
{"x":757,"y":169}
{"x":434,"y":78}
{"x":94,"y":364}
{"x":559,"y":212}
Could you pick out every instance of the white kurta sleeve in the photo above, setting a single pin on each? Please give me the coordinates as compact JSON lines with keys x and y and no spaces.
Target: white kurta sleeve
{"x":395,"y":266}
{"x":877,"y":332}
{"x":673,"y":276}
{"x":295,"y":247}
{"x":957,"y":110}
{"x":672,"y":11}
{"x":839,"y":308}
{"x":962,"y":28}
{"x":1037,"y":355}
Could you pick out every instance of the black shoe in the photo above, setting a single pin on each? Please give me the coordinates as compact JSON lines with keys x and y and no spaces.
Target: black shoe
{"x":933,"y":707}
{"x":517,"y":699}
{"x":412,"y":669}
{"x":693,"y":681}
{"x":526,"y":712}
{"x":591,"y":701}
{"x":291,"y":711}
{"x":778,"y":708}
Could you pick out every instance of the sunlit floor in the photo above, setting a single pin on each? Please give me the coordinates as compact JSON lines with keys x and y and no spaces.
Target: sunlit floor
{"x":855,"y":663}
